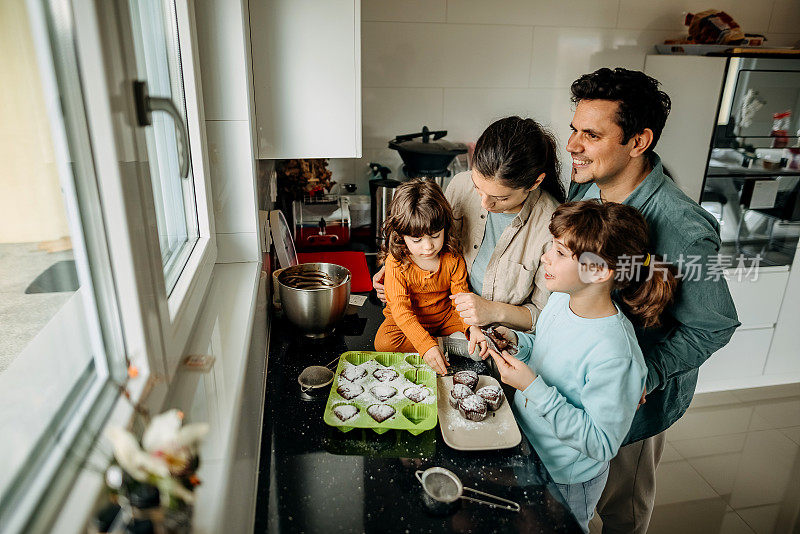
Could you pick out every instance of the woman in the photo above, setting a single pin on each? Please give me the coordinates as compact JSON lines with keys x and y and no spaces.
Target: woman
{"x":502,"y":209}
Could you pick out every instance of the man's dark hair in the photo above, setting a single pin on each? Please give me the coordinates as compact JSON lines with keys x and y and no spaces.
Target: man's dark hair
{"x":641,"y":104}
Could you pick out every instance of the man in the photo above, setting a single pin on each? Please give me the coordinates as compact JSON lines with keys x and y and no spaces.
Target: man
{"x":618,"y":120}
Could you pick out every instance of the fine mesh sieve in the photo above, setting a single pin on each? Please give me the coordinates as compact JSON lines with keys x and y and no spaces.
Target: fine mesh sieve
{"x":316,"y":376}
{"x":444,"y":486}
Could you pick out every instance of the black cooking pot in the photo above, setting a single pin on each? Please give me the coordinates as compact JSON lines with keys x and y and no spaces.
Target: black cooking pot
{"x":425,"y":156}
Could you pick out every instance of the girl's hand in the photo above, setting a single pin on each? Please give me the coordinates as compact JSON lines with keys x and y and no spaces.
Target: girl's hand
{"x":473,"y":309}
{"x":512,"y":371}
{"x":377,"y":284}
{"x":433,"y":357}
{"x":476,"y":337}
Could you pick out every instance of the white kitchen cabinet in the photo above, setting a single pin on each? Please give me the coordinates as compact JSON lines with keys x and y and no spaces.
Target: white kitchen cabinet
{"x":739,"y":363}
{"x":306,"y":58}
{"x":758,"y":299}
{"x":693,"y":83}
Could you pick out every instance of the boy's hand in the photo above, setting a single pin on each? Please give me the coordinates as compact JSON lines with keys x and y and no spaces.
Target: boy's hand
{"x":507,"y":334}
{"x":473,"y":309}
{"x":476,"y":337}
{"x":377,"y":284}
{"x":434,"y":357}
{"x":512,"y":371}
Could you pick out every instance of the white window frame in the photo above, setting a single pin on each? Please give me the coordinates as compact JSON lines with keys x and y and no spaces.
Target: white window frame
{"x":156,"y":326}
{"x":181,"y":308}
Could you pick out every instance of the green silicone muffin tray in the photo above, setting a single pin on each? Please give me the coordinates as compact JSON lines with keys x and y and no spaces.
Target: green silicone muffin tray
{"x":412,"y":372}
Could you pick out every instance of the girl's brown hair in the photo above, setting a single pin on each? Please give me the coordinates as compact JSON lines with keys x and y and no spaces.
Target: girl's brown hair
{"x":618,"y":235}
{"x":418,"y":208}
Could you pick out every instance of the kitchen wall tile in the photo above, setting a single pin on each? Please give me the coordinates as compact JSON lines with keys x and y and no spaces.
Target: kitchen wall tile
{"x":222,"y":60}
{"x":389,"y":112}
{"x":467,"y":112}
{"x":753,"y":17}
{"x":785,"y":14}
{"x":561,"y":55}
{"x":404,"y":10}
{"x":584,"y":13}
{"x":398,"y":54}
{"x":232,"y":182}
{"x":784,"y":39}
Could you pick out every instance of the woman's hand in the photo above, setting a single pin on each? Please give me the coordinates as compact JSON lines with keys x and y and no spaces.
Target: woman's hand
{"x":512,"y":371}
{"x":475,"y":310}
{"x":377,"y":284}
{"x":476,"y":337}
{"x":434,"y":357}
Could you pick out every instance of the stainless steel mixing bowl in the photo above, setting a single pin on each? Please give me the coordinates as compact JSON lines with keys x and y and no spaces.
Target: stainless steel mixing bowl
{"x":315,"y":311}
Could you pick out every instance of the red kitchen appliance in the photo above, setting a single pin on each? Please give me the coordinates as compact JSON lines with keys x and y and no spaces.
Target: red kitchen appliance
{"x":321,"y":221}
{"x":354,"y":261}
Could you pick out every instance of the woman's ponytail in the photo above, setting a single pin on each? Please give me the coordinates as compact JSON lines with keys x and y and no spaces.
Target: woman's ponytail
{"x":646,"y":299}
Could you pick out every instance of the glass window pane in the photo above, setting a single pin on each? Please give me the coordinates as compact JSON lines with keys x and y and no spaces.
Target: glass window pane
{"x":56,"y":351}
{"x":155,"y":30}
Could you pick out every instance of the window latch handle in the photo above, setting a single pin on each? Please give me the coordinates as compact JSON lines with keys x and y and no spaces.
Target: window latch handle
{"x":146,"y":105}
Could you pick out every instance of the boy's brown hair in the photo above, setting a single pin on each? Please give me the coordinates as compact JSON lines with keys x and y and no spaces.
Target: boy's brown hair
{"x":418,"y":208}
{"x":617,"y":233}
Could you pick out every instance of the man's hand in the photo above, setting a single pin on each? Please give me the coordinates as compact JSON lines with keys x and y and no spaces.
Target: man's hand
{"x":473,"y":309}
{"x":434,"y":357}
{"x":512,"y":371}
{"x":377,"y":283}
{"x":643,"y":399}
{"x":476,"y":337}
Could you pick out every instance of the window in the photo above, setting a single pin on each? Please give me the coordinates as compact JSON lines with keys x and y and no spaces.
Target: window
{"x":62,"y":348}
{"x":106,"y":240}
{"x":155,"y":31}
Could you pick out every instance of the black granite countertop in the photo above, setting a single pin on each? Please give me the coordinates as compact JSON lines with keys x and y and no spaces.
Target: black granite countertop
{"x":315,"y":478}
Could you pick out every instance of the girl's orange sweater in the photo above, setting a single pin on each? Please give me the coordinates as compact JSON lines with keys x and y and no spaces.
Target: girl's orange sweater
{"x":419,"y":301}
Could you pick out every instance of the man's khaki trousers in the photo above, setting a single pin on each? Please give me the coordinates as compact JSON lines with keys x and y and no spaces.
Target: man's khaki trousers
{"x":627,"y":501}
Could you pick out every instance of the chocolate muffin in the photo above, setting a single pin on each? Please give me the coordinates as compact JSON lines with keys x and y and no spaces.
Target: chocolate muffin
{"x":416,"y":393}
{"x":345,"y":411}
{"x":385,"y":374}
{"x":380,"y":412}
{"x":473,"y":408}
{"x":383,"y":392}
{"x":468,"y":378}
{"x":353,"y":373}
{"x":348,"y":390}
{"x":493,"y":395}
{"x":458,"y":392}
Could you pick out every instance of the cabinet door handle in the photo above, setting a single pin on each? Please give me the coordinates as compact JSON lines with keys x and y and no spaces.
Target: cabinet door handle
{"x":146,"y":105}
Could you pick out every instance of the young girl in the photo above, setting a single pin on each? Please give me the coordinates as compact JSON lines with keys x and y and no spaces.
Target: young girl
{"x":423,"y":268}
{"x":581,"y":375}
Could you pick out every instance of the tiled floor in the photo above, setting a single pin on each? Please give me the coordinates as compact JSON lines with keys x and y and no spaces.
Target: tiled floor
{"x":732,"y":465}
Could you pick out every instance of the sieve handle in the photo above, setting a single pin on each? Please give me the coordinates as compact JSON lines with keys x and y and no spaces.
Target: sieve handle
{"x":418,"y":474}
{"x":506,"y":504}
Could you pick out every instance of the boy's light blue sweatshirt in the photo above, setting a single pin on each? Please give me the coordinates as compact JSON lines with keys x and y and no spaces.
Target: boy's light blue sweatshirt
{"x":591,"y":375}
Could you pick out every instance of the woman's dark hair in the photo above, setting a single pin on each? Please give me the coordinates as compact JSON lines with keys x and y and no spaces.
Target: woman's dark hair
{"x":516,"y":151}
{"x":641,"y":104}
{"x":618,"y":235}
{"x":418,"y":208}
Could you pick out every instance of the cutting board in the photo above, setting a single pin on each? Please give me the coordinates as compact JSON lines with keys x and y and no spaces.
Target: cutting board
{"x":353,"y":260}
